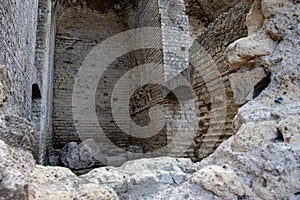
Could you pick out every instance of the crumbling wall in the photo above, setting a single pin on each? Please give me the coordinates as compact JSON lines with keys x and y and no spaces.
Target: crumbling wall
{"x":18,"y":23}
{"x":77,"y":35}
{"x":263,"y":155}
{"x":146,"y":14}
{"x":227,"y":28}
{"x":168,"y":61}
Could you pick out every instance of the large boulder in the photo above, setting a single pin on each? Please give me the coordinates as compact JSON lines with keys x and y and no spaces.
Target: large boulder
{"x":81,"y":156}
{"x":245,"y":50}
{"x":61,"y":183}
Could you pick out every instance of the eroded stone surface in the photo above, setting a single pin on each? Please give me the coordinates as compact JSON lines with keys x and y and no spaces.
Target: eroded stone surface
{"x":257,"y":160}
{"x":22,"y":179}
{"x":255,"y":18}
{"x":243,"y":83}
{"x":220,"y":180}
{"x":290,"y":128}
{"x":4,"y":84}
{"x":264,"y":153}
{"x":17,"y":132}
{"x":15,"y":171}
{"x":248,"y":49}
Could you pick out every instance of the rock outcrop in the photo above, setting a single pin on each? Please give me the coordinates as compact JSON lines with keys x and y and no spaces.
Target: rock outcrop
{"x":155,"y":178}
{"x":222,"y":181}
{"x":264,"y":154}
{"x":20,"y":178}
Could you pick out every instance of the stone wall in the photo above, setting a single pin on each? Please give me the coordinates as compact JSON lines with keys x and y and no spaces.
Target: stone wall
{"x":79,"y":29}
{"x":43,"y":79}
{"x":168,"y":61}
{"x":179,"y":106}
{"x":175,"y":37}
{"x":227,"y":28}
{"x":78,"y":34}
{"x":206,"y":11}
{"x":18,"y":23}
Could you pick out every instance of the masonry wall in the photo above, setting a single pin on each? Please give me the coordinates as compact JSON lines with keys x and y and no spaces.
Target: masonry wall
{"x":43,"y":79}
{"x":148,"y":15}
{"x":169,"y":61}
{"x":212,"y":130}
{"x":175,"y":37}
{"x":79,"y":29}
{"x":18,"y":21}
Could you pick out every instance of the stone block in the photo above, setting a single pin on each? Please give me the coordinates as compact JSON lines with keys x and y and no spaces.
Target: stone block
{"x":243,"y":83}
{"x":115,"y":161}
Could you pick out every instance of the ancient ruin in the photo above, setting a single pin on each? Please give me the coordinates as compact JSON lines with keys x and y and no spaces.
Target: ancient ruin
{"x":149,"y":99}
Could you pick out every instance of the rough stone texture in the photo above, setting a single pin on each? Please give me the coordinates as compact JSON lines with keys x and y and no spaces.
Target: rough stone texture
{"x":262,"y":159}
{"x":42,"y":104}
{"x":207,"y":11}
{"x":158,"y":178}
{"x":4,"y":84}
{"x":255,"y":18}
{"x":17,"y":47}
{"x":264,"y":153}
{"x":250,"y":140}
{"x":243,"y":83}
{"x":17,"y":132}
{"x":289,"y":127}
{"x":61,"y":183}
{"x":15,"y":166}
{"x":245,"y":50}
{"x":22,"y":179}
{"x":223,"y":182}
{"x":151,"y":178}
{"x":268,"y":169}
{"x":79,"y":156}
{"x":216,"y":111}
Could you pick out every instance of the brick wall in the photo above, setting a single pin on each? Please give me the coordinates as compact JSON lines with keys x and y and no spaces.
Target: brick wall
{"x":79,"y":29}
{"x":227,"y":28}
{"x":82,"y":28}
